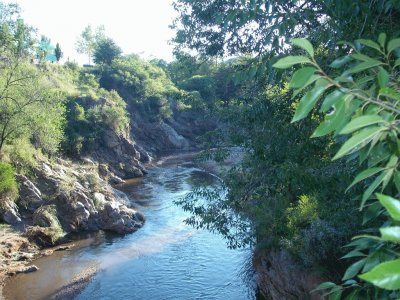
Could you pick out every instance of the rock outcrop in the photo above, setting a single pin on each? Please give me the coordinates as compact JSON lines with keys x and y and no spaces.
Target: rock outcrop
{"x":66,"y":198}
{"x":123,"y":158}
{"x":280,"y":277}
{"x":30,"y":196}
{"x":118,"y":218}
{"x":9,"y":212}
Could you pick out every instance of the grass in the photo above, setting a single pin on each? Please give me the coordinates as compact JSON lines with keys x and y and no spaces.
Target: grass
{"x":4,"y":226}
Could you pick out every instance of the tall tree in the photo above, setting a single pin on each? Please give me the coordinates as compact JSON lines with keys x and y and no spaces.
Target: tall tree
{"x":86,"y":42}
{"x":58,"y":53}
{"x":44,"y":49}
{"x":106,"y":50}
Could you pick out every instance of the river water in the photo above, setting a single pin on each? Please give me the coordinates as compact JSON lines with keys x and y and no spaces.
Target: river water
{"x":165,"y":259}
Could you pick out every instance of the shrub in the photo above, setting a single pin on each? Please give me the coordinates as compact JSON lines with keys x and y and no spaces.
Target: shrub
{"x":8,"y":184}
{"x":302,"y":214}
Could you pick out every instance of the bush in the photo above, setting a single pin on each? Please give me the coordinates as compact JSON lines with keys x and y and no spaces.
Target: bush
{"x":8,"y":184}
{"x":302,"y":214}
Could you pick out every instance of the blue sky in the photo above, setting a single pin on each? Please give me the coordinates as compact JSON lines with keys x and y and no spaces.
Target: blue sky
{"x":137,"y":26}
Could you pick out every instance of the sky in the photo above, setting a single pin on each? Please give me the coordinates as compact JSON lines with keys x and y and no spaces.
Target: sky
{"x":137,"y":26}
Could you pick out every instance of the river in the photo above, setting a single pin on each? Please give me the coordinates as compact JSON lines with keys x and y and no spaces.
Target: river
{"x":166,"y":259}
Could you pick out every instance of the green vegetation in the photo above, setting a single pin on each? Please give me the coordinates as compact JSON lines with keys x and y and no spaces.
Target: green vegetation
{"x":8,"y":185}
{"x":364,"y":111}
{"x":106,"y":51}
{"x":317,"y":120}
{"x":287,"y":193}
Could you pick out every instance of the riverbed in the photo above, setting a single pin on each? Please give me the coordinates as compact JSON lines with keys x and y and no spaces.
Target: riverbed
{"x":166,"y":259}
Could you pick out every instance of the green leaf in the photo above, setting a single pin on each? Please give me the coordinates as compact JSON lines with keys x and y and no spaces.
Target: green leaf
{"x":360,"y":56}
{"x":332,"y":121}
{"x":354,"y":269}
{"x":336,"y":120}
{"x":289,"y":61}
{"x":372,"y":187}
{"x":393,"y":44}
{"x":390,"y":93}
{"x":307,"y":103}
{"x":353,"y":253}
{"x":396,"y":63}
{"x":372,"y":212}
{"x":325,"y":285}
{"x":300,"y":77}
{"x":330,"y":100}
{"x":361,"y":122}
{"x":383,"y":77}
{"x":392,"y":206}
{"x":365,"y":79}
{"x":336,"y":295}
{"x":366,"y":65}
{"x":305,"y":44}
{"x":382,"y":40}
{"x":390,"y":233}
{"x":364,"y":175}
{"x":362,"y":137}
{"x":370,"y":44}
{"x":339,"y":62}
{"x":386,"y":275}
{"x":310,"y":81}
{"x":396,"y":179}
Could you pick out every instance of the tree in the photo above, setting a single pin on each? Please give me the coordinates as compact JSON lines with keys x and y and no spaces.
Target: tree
{"x":15,"y":35}
{"x":106,"y":50}
{"x":44,"y":49}
{"x":86,"y":43}
{"x":362,"y":112}
{"x":58,"y":53}
{"x":29,"y":107}
{"x":220,"y":27}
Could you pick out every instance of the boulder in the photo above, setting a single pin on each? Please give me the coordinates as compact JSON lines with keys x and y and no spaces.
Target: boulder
{"x":174,"y":138}
{"x":118,"y":218}
{"x":9,"y":212}
{"x":111,"y":139}
{"x":30,"y":196}
{"x":132,"y":171}
{"x":23,"y":269}
{"x":88,"y":161}
{"x":43,"y":236}
{"x":114,"y":179}
{"x":46,"y":216}
{"x":144,"y":156}
{"x":76,"y":211}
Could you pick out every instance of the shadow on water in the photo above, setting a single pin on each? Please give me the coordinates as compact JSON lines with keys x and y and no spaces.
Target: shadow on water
{"x":166,"y":259}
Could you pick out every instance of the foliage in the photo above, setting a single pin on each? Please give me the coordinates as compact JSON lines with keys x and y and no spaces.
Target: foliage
{"x":15,"y":36}
{"x":86,"y":43}
{"x":28,"y":105}
{"x":44,"y":50}
{"x":219,"y":27}
{"x":58,"y":52}
{"x":105,"y":51}
{"x":90,"y":115}
{"x":22,"y":155}
{"x":359,"y":104}
{"x":8,"y":184}
{"x":143,"y":85}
